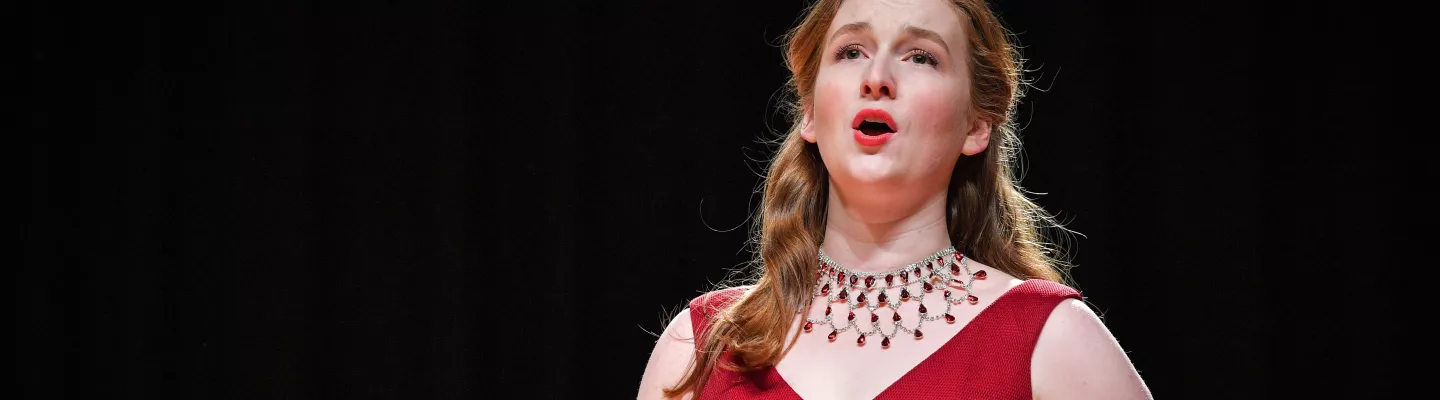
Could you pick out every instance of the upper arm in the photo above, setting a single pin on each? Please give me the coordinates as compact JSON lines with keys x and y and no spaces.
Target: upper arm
{"x":670,"y":359}
{"x":1077,"y":357}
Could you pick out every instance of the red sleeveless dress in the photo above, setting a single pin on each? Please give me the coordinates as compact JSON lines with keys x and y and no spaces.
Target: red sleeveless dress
{"x":988,"y":359}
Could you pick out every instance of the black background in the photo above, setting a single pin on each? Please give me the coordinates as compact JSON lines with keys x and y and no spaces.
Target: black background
{"x":456,"y":199}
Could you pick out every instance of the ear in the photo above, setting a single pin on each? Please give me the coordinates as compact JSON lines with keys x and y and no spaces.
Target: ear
{"x":807,"y":126}
{"x":977,"y":139}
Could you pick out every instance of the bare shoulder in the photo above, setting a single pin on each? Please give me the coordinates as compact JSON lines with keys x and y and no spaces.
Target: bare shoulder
{"x":673,"y":353}
{"x":1078,"y":357}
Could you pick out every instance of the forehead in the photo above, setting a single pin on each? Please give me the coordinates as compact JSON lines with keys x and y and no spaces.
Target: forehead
{"x":891,"y":17}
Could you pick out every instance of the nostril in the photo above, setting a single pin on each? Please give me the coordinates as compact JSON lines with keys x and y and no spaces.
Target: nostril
{"x":881,"y":91}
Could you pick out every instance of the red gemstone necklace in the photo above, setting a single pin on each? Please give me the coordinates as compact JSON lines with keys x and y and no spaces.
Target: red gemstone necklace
{"x":835,"y":284}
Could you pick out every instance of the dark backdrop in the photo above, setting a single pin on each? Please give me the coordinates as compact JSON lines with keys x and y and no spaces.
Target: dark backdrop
{"x":449,"y":200}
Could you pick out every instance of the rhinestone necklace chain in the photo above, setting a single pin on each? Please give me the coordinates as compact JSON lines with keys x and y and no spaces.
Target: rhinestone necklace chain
{"x":835,"y":283}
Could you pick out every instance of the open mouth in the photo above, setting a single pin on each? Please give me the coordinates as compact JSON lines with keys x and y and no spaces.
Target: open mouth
{"x":873,"y":128}
{"x":873,"y":122}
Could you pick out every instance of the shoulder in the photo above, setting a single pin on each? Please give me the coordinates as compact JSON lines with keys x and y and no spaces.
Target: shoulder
{"x":1055,"y":291}
{"x":704,"y":306}
{"x":1076,"y":356}
{"x":674,"y":352}
{"x":670,"y":359}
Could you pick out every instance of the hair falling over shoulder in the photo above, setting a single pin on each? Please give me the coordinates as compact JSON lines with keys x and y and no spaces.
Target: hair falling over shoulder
{"x":988,"y":215}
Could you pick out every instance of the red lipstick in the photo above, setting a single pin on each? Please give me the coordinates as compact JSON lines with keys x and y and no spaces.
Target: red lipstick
{"x":873,"y":127}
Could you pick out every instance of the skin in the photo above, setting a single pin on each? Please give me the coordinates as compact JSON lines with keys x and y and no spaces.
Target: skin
{"x":886,"y":208}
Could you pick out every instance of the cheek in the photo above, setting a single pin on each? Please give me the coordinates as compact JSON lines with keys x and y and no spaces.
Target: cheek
{"x":941,"y":114}
{"x":829,"y":108}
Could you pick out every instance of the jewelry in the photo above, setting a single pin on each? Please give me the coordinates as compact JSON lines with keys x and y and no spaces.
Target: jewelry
{"x":836,"y":283}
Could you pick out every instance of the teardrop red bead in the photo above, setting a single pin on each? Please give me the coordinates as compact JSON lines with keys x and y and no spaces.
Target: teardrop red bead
{"x":928,"y":287}
{"x":897,"y":317}
{"x":861,"y":340}
{"x":809,"y":325}
{"x":860,"y":298}
{"x":843,"y":294}
{"x":889,"y":279}
{"x":905,"y":276}
{"x":869,"y":281}
{"x":972,"y":299}
{"x":904,"y":294}
{"x":949,"y":318}
{"x":825,"y":290}
{"x":832,"y":335}
{"x":954,"y":269}
{"x":854,"y":279}
{"x":852,"y":316}
{"x":882,"y":297}
{"x":885,"y":342}
{"x":922,"y":308}
{"x":979,"y":274}
{"x":919,"y":335}
{"x":874,"y":317}
{"x":827,"y":310}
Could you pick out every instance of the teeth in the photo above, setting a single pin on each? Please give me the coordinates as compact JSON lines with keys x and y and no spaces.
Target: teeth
{"x":875,"y":120}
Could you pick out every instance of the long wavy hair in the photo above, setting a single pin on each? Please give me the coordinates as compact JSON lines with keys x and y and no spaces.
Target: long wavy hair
{"x":987,"y":214}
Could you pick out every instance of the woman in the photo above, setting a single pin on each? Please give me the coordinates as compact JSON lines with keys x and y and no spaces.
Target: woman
{"x":899,"y":258}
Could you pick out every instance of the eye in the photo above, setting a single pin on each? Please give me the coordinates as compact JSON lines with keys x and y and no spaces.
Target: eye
{"x":923,"y":57}
{"x":849,"y":52}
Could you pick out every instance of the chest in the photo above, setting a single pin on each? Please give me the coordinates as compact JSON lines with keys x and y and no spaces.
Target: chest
{"x":817,"y":367}
{"x":984,"y":353}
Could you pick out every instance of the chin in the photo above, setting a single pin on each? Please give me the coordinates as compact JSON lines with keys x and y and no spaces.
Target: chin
{"x":871,"y":175}
{"x":874,"y":166}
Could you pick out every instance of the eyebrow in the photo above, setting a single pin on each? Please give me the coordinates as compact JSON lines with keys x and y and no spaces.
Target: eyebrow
{"x":918,"y":32}
{"x":927,"y":35}
{"x":853,"y":27}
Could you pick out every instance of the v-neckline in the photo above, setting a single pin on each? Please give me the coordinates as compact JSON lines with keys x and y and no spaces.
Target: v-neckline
{"x":775,"y":372}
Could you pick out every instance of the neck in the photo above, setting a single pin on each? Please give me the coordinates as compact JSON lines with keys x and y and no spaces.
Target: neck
{"x":880,"y":234}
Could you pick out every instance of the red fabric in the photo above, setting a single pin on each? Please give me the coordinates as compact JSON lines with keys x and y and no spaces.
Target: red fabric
{"x":988,"y":359}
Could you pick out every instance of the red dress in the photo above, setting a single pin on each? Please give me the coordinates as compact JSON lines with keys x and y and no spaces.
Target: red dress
{"x":988,"y":359}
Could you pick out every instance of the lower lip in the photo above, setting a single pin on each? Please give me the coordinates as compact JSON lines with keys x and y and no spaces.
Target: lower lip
{"x":872,"y":141}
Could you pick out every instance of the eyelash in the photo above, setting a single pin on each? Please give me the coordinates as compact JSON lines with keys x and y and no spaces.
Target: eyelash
{"x":840,"y":54}
{"x":932,"y":61}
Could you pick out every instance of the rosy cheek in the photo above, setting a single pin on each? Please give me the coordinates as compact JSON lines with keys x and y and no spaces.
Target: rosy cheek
{"x":942,"y":114}
{"x":932,"y":111}
{"x":827,"y":104}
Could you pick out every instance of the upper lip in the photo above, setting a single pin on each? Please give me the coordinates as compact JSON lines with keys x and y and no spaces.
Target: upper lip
{"x":873,"y":115}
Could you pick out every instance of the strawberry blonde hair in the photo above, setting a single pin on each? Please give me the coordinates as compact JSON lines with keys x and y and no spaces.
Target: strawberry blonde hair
{"x":987,"y":213}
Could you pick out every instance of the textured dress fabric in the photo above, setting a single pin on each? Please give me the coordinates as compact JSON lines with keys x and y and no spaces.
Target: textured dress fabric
{"x":988,"y":359}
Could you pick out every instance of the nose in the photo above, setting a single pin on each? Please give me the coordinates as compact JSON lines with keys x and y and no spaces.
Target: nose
{"x":877,"y":83}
